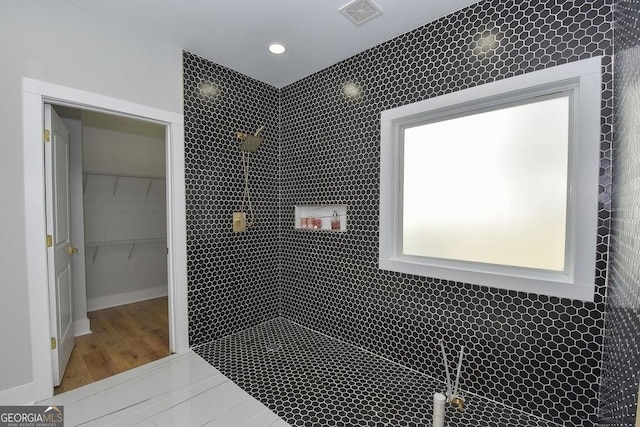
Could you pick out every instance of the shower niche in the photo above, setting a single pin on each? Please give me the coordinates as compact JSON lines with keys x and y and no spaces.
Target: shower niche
{"x":332,"y":218}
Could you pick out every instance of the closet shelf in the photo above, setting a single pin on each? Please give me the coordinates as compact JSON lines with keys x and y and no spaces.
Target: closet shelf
{"x":122,"y":175}
{"x":125,"y":242}
{"x":151,"y":178}
{"x":128,"y":242}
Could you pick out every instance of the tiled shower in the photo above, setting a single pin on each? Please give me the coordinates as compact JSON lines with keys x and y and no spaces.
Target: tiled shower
{"x":544,"y":355}
{"x":621,"y":361}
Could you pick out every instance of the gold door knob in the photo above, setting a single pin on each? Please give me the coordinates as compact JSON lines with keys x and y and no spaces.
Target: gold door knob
{"x":72,"y":250}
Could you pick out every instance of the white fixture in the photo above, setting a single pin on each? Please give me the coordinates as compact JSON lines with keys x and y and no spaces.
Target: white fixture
{"x":360,"y":11}
{"x":277,"y":48}
{"x":439,"y":400}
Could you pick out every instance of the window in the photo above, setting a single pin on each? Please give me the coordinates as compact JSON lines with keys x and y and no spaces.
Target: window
{"x":497,"y":184}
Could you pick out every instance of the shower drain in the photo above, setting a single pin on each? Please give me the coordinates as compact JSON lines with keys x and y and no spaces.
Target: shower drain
{"x":274,"y":347}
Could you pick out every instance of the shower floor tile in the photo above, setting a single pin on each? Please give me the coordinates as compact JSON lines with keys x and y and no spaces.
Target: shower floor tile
{"x":309,"y":379}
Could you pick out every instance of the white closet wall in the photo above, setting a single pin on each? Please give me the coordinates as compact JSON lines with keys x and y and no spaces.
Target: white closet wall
{"x":124,"y":215}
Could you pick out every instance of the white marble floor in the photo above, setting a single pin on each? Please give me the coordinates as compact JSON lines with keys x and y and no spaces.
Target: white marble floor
{"x":179,"y":390}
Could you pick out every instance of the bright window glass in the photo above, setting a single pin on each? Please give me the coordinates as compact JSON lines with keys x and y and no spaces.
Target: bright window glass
{"x":497,"y":184}
{"x":481,"y":192}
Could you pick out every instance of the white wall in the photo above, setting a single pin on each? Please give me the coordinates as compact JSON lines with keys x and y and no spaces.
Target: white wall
{"x":130,"y":204}
{"x":109,"y":150}
{"x":55,"y":42}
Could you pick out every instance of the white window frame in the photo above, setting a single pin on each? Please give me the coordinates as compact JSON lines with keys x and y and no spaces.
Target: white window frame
{"x":583,"y":79}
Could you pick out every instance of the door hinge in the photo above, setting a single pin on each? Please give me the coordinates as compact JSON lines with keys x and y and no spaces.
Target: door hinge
{"x":47,"y":135}
{"x":54,"y":343}
{"x":49,"y":240}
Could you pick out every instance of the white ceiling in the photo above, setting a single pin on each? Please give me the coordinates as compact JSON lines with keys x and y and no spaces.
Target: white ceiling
{"x":235,"y":33}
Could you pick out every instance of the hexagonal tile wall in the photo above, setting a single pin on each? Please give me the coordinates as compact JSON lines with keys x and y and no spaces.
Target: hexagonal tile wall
{"x":541,"y":354}
{"x":233,"y":277}
{"x":621,"y":362}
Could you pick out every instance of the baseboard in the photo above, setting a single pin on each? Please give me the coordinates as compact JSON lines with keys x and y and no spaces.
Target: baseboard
{"x":20,"y":395}
{"x":125,"y":298}
{"x":82,"y":327}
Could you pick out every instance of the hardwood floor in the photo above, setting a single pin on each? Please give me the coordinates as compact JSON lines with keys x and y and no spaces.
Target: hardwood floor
{"x":123,"y":338}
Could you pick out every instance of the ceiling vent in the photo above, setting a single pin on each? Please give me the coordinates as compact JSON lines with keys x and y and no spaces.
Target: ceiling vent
{"x":360,"y":11}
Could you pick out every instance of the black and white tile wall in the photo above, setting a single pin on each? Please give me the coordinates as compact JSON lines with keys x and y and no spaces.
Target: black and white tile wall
{"x":233,"y":277}
{"x":621,"y":362}
{"x":537,"y":353}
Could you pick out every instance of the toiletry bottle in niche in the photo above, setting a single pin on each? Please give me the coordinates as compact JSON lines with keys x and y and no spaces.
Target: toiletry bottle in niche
{"x":335,"y":221}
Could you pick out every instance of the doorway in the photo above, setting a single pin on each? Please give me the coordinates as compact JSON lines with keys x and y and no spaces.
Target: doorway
{"x":117,"y":194}
{"x":35,"y":95}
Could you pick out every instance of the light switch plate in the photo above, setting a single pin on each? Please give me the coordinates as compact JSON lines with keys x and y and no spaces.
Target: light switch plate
{"x":239,"y":222}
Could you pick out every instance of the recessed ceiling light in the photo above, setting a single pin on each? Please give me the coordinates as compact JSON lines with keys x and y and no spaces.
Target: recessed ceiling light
{"x":277,"y":48}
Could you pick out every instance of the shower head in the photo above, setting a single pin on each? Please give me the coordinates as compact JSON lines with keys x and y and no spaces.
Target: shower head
{"x":251,"y":143}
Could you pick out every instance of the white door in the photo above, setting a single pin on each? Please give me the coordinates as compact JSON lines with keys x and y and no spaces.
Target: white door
{"x":60,"y":251}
